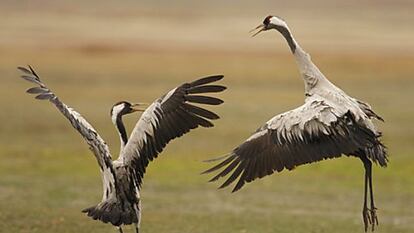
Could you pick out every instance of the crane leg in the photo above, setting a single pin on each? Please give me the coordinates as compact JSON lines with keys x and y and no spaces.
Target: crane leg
{"x":136,"y":228}
{"x":368,"y":215}
{"x":365,"y":214}
{"x":374,"y":218}
{"x":120,"y":230}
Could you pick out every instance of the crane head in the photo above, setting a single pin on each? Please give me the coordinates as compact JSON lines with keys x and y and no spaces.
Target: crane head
{"x":270,"y":22}
{"x":123,"y":107}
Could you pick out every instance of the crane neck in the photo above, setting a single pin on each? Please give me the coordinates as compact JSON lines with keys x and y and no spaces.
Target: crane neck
{"x":119,"y":125}
{"x":293,"y":45}
{"x":310,"y":73}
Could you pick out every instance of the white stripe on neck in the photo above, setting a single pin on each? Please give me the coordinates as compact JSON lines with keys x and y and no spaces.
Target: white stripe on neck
{"x":115,"y":112}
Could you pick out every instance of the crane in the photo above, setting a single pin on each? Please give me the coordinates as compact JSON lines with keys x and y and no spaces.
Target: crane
{"x":168,"y":117}
{"x":328,"y":125}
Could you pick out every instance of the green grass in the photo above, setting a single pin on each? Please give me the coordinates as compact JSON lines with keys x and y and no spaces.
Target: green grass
{"x":47,"y":174}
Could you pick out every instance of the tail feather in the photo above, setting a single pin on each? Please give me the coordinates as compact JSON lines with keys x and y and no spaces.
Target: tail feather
{"x":378,"y":153}
{"x":110,"y":211}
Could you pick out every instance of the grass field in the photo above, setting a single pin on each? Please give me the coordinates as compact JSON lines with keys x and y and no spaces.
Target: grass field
{"x":93,"y":57}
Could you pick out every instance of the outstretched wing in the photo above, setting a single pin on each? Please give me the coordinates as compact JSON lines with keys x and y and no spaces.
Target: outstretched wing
{"x":315,"y":131}
{"x":167,"y":118}
{"x":95,"y":142}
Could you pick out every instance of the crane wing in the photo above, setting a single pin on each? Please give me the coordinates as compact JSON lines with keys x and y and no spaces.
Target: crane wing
{"x":167,"y":118}
{"x":315,"y":131}
{"x":95,"y":142}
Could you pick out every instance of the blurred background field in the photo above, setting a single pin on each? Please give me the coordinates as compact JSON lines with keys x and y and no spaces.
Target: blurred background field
{"x":95,"y":53}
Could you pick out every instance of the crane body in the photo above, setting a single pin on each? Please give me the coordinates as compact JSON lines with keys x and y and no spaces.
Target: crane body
{"x":167,"y":118}
{"x":328,"y":125}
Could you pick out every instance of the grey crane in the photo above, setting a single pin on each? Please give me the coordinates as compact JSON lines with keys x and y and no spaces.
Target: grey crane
{"x":329,"y":124}
{"x":168,"y":117}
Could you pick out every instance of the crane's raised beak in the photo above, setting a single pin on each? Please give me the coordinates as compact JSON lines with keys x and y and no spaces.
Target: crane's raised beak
{"x":139,"y":107}
{"x":258,"y":29}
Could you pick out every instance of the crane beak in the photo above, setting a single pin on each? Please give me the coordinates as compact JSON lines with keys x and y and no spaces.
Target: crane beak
{"x":139,"y":107}
{"x":258,"y":29}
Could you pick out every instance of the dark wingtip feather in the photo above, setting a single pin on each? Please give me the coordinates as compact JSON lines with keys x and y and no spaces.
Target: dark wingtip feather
{"x":216,"y":159}
{"x":201,"y":112}
{"x":220,"y":165}
{"x":37,"y":90}
{"x":30,"y":75}
{"x":214,"y":179}
{"x":226,"y":170}
{"x":31,"y":69}
{"x":31,"y":79}
{"x":204,"y":99}
{"x":205,"y":123}
{"x":241,"y":182}
{"x":24,"y":70}
{"x":34,"y":73}
{"x":44,"y":96}
{"x":205,"y":80}
{"x":236,"y":173}
{"x":206,"y":89}
{"x":238,"y":186}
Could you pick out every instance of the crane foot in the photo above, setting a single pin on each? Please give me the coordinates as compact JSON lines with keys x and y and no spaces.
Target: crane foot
{"x":366,"y":217}
{"x":374,"y":218}
{"x":370,"y":218}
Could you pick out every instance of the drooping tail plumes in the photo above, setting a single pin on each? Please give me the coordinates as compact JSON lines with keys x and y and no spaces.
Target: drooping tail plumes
{"x":114,"y":212}
{"x":378,"y":153}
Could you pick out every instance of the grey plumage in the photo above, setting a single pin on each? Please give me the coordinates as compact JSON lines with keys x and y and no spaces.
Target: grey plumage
{"x":167,"y":118}
{"x":328,"y":125}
